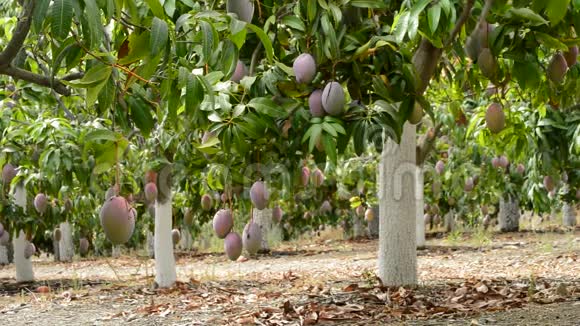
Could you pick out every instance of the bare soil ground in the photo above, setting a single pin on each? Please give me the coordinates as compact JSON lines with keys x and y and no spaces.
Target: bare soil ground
{"x":479,"y":279}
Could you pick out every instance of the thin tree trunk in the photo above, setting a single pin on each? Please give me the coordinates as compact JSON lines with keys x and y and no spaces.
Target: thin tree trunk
{"x":116,"y":251}
{"x":4,"y":255}
{"x":568,"y":215}
{"x":66,"y":247}
{"x":24,"y":272}
{"x":420,"y":201}
{"x":397,"y":239}
{"x":150,"y":244}
{"x":264,"y":219}
{"x":164,"y":260}
{"x":373,"y":225}
{"x":357,"y":227}
{"x":449,"y":220}
{"x":186,"y":241}
{"x":509,"y":214}
{"x":56,"y":249}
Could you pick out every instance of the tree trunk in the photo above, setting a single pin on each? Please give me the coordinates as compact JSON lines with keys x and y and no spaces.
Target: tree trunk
{"x":397,"y":240}
{"x":373,"y":225}
{"x":56,"y":249}
{"x":164,"y":260}
{"x":264,"y":219}
{"x":568,"y":215}
{"x":4,"y":255}
{"x":357,"y":227}
{"x":66,"y":247}
{"x":24,"y":272}
{"x":449,"y":220}
{"x":150,"y":244}
{"x":509,"y":215}
{"x":420,"y":220}
{"x":186,"y":240}
{"x":116,"y":251}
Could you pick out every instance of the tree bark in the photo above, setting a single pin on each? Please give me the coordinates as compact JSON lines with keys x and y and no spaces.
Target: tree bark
{"x":4,"y":255}
{"x":357,"y":227}
{"x":264,"y":219}
{"x":24,"y":272}
{"x":56,"y":249}
{"x":509,"y":215}
{"x":66,"y":247}
{"x":449,"y":220}
{"x":186,"y":241}
{"x":420,"y":219}
{"x":568,"y":215}
{"x":373,"y":225}
{"x":397,"y":239}
{"x":164,"y":260}
{"x":150,"y":244}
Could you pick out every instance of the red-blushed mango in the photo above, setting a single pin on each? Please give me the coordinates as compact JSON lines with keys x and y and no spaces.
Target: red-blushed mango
{"x":495,"y":118}
{"x":503,"y":161}
{"x":478,"y":40}
{"x":305,"y":176}
{"x":427,"y":218}
{"x":369,"y":214}
{"x":239,"y":73}
{"x":315,"y":103}
{"x":548,"y":183}
{"x":8,"y":173}
{"x":520,"y":169}
{"x":175,"y":236}
{"x":333,"y":99}
{"x":4,"y":238}
{"x":557,"y":68}
{"x":495,"y":162}
{"x":223,"y":222}
{"x":304,"y":68}
{"x":416,"y":114}
{"x":487,"y":64}
{"x":252,"y":238}
{"x":571,"y":55}
{"x":468,"y":184}
{"x":112,"y":192}
{"x":188,"y":217}
{"x":117,"y":220}
{"x":151,"y":191}
{"x":277,"y":214}
{"x":359,"y":211}
{"x":317,"y":178}
{"x":83,"y":246}
{"x":68,"y":205}
{"x":259,"y":195}
{"x":439,"y":167}
{"x":244,"y":9}
{"x":233,"y":246}
{"x":326,"y":207}
{"x":206,"y":202}
{"x":151,"y":176}
{"x":29,"y":250}
{"x":40,"y":203}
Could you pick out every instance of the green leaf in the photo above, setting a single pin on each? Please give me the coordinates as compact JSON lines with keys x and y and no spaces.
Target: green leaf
{"x":169,"y":7}
{"x":330,"y":148}
{"x":315,"y":133}
{"x":434,"y":14}
{"x":419,"y":7}
{"x":102,"y":134}
{"x":311,"y":10}
{"x":329,"y":129}
{"x":93,"y":93}
{"x":138,"y":48}
{"x":193,"y":94}
{"x":159,"y":36}
{"x":525,"y":14}
{"x":368,"y":4}
{"x":401,"y":25}
{"x":265,"y":41}
{"x":107,"y":95}
{"x":229,"y":58}
{"x":61,"y":15}
{"x":556,"y":10}
{"x":293,"y":22}
{"x":94,"y":76}
{"x":94,"y":27}
{"x":156,"y":8}
{"x":527,"y":74}
{"x":550,"y":41}
{"x":266,"y":106}
{"x":39,"y":14}
{"x":208,"y":41}
{"x":141,"y":114}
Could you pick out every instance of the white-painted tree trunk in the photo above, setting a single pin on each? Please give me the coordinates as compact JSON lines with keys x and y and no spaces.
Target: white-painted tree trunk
{"x":420,"y":220}
{"x":4,"y":255}
{"x":264,"y":219}
{"x":509,"y":215}
{"x":449,"y":220}
{"x":373,"y":225}
{"x":164,"y":260}
{"x":568,"y":215}
{"x":24,"y":272}
{"x":116,"y":251}
{"x":150,"y":244}
{"x":397,"y":240}
{"x":66,"y":248}
{"x":186,"y":240}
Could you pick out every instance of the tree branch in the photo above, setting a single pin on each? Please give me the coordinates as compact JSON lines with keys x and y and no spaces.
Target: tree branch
{"x":36,"y":79}
{"x":461,"y":21}
{"x":19,"y":35}
{"x":428,"y":143}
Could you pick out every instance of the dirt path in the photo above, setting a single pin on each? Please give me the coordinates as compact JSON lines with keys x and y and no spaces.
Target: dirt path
{"x":290,"y":282}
